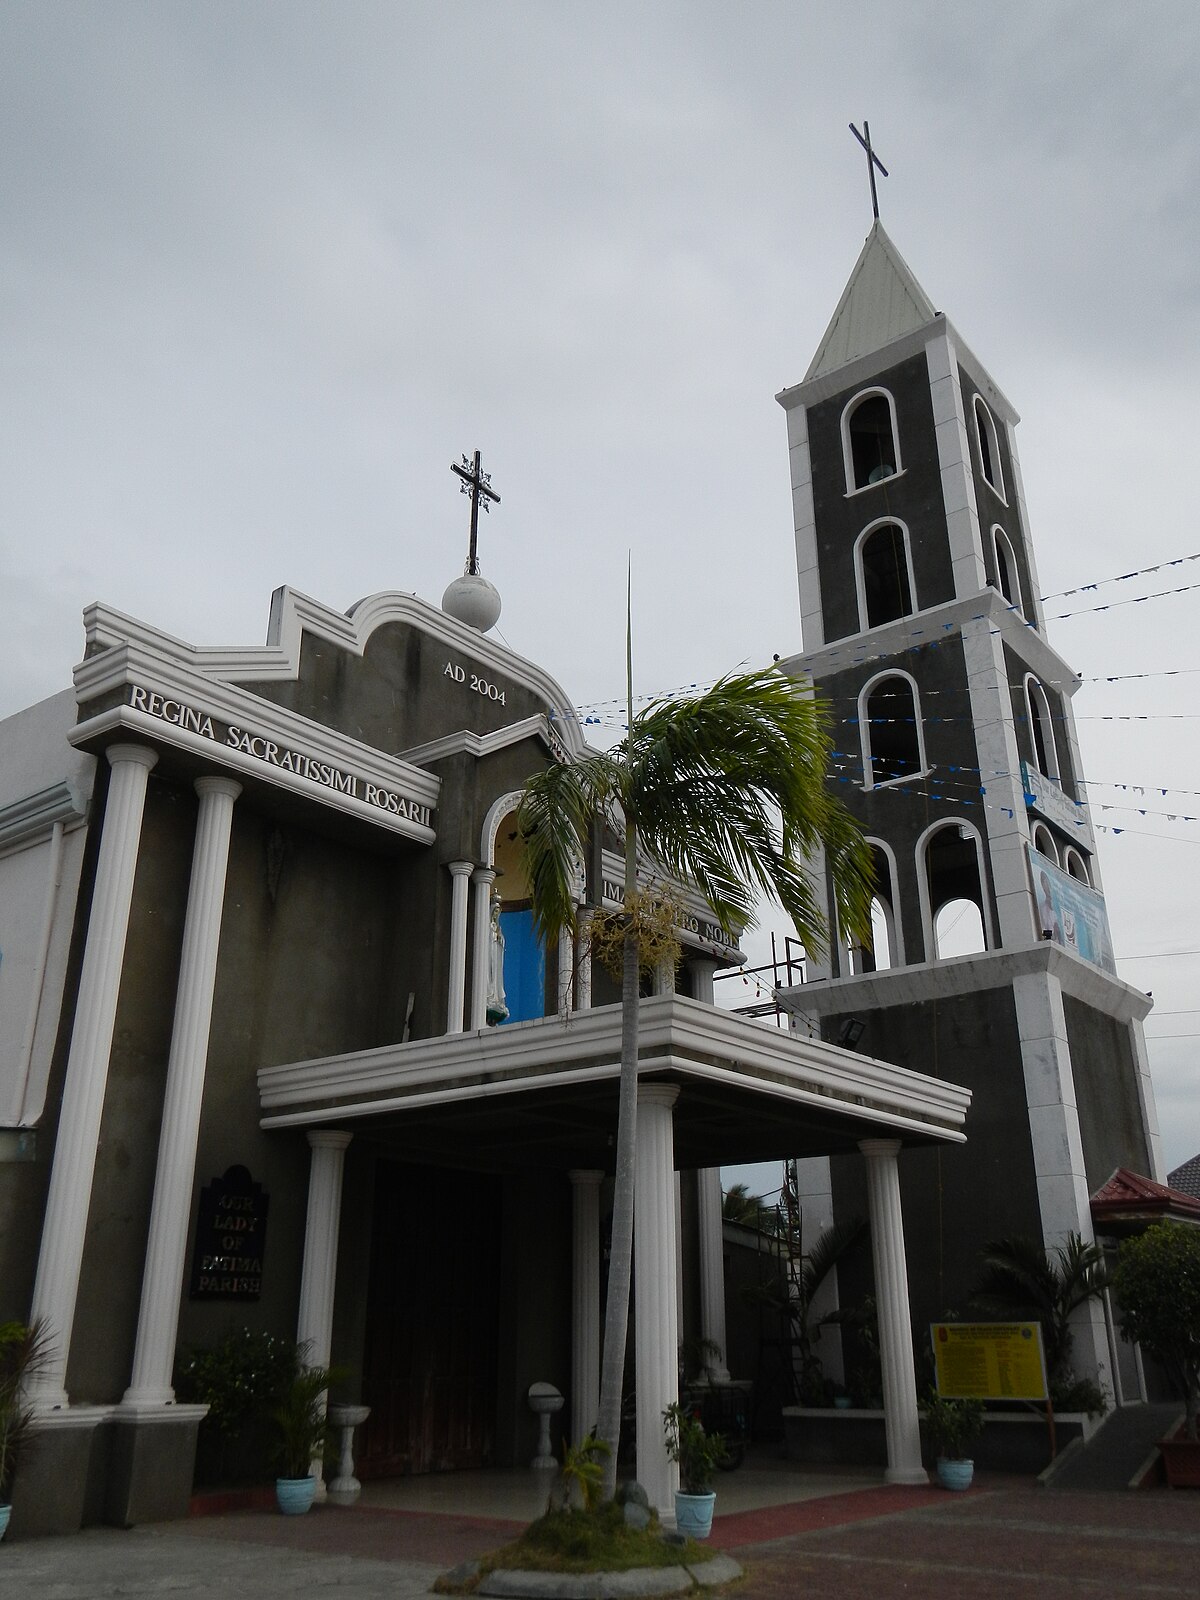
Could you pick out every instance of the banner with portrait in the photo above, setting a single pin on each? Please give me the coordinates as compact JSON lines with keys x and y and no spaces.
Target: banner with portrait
{"x":1071,"y":913}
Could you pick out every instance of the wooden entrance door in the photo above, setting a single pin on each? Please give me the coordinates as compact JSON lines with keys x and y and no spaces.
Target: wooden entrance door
{"x":433,"y":1309}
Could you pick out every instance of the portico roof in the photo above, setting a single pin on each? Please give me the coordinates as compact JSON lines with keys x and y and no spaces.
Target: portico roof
{"x":544,"y":1093}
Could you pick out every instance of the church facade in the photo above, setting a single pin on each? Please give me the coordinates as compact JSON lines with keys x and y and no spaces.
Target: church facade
{"x":280,"y":1052}
{"x":923,"y":628}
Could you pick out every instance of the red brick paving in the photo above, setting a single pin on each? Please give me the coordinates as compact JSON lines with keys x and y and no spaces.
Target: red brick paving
{"x":1004,"y":1540}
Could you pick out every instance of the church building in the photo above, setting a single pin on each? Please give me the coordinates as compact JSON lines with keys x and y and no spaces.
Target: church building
{"x":279,"y":1049}
{"x":923,"y":628}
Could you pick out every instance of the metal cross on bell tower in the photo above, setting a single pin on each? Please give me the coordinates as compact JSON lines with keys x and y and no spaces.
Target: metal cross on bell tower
{"x":873,"y":161}
{"x":478,"y":485}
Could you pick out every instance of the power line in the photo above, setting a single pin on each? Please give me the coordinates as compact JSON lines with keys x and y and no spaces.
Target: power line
{"x":1158,"y":955}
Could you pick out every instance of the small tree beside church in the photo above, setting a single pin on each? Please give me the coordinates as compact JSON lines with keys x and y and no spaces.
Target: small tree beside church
{"x":1158,"y":1285}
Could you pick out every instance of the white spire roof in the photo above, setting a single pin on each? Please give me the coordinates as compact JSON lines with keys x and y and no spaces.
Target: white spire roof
{"x":881,"y":302}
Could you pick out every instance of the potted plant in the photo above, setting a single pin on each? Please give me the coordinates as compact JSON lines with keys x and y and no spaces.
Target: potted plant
{"x":302,"y":1433}
{"x":699,"y":1454}
{"x":953,"y":1425}
{"x":1158,"y":1287}
{"x":24,"y":1350}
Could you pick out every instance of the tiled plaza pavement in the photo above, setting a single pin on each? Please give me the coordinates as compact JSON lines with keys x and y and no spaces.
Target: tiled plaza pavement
{"x":1006,"y":1540}
{"x":995,"y":1543}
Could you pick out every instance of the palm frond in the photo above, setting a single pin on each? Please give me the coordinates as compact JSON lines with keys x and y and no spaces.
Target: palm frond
{"x":728,"y":789}
{"x":558,"y":807}
{"x":828,"y":1250}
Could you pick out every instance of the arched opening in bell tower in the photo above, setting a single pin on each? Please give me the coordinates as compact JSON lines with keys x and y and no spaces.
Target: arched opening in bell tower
{"x":883,"y":569}
{"x":893,"y":740}
{"x":869,"y":442}
{"x":954,"y":911}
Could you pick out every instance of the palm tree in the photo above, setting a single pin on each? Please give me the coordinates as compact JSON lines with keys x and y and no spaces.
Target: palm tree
{"x":1021,"y":1280}
{"x":725,"y":790}
{"x":749,"y":1210}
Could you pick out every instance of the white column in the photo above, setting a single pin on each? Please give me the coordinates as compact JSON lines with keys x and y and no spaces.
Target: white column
{"x":712,"y":1272}
{"x":70,"y":1194}
{"x":314,"y":1322}
{"x":482,"y":878}
{"x":318,"y":1276}
{"x":657,"y":1331}
{"x":566,"y":961}
{"x":702,"y":981}
{"x":679,"y":1259}
{"x":456,"y":989}
{"x":166,"y":1245}
{"x":585,"y":1302}
{"x":583,"y":961}
{"x":891,"y":1296}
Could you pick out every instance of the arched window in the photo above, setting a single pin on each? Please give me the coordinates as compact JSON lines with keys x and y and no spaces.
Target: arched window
{"x":989,"y":447}
{"x":1041,"y":728}
{"x":1076,"y":865}
{"x":869,"y":443}
{"x":893,"y":740}
{"x":1008,"y":579}
{"x":886,"y":948}
{"x":1043,"y":842}
{"x":883,"y":570}
{"x":954,"y":912}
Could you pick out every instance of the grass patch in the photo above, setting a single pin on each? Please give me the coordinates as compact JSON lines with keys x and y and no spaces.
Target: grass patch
{"x":585,"y":1541}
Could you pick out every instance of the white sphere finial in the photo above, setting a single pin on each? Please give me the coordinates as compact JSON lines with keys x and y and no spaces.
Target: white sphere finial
{"x":473,"y":600}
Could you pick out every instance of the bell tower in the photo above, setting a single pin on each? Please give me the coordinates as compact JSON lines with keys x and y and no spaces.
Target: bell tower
{"x":923,"y":629}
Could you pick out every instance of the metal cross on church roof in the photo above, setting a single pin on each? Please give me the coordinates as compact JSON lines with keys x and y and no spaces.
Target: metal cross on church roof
{"x":478,"y":485}
{"x":873,"y":161}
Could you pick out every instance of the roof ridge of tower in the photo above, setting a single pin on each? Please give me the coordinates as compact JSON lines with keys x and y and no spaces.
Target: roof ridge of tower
{"x":881,"y":302}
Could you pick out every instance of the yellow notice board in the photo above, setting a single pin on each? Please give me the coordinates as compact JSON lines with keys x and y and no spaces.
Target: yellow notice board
{"x":989,"y":1360}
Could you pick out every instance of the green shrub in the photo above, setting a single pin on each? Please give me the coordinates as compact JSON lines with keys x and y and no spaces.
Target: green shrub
{"x":241,"y":1379}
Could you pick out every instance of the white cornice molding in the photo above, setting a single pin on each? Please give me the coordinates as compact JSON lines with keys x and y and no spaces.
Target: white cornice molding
{"x":294,"y":614}
{"x":139,"y":663}
{"x":966,"y":975}
{"x":25,"y":821}
{"x":868,"y":368}
{"x":478,"y":744}
{"x":676,"y":1035}
{"x":932,"y":626}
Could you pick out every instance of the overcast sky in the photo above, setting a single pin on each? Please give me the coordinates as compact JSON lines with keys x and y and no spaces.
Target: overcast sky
{"x":267,"y":269}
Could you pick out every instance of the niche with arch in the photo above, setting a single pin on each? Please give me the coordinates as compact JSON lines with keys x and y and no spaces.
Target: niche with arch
{"x":869,"y":440}
{"x":883,"y":569}
{"x":893,"y":740}
{"x":524,"y":954}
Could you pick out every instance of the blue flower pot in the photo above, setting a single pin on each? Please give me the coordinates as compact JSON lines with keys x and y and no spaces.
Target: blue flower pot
{"x":955,"y":1474}
{"x":5,"y":1513}
{"x":694,"y":1514}
{"x":295,"y":1495}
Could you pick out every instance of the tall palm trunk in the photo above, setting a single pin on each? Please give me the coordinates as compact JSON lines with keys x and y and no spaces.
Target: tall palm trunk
{"x":620,"y":1265}
{"x":620,"y":1258}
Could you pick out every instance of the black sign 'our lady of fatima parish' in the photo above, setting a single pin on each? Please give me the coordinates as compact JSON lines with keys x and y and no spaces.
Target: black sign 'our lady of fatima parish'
{"x":231,"y":1230}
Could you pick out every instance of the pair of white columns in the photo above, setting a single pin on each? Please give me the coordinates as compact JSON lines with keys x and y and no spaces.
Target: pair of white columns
{"x":57,"y":1284}
{"x":464,"y":876}
{"x":656,"y":1270}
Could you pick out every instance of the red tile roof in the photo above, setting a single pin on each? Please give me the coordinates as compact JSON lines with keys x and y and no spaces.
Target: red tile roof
{"x":1128,"y":1194}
